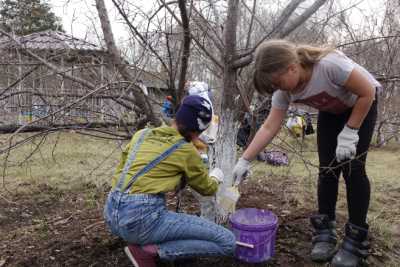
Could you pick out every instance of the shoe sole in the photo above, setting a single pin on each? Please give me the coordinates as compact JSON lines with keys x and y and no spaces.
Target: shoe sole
{"x":322,"y":259}
{"x":130,"y":256}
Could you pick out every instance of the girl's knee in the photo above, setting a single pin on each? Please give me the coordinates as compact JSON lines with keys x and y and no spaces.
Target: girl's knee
{"x":327,"y":174}
{"x":355,"y":173}
{"x":355,"y":176}
{"x":229,"y":244}
{"x":327,"y":178}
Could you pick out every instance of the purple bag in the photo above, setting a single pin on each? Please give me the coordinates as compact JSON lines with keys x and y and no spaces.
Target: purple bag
{"x":274,"y":157}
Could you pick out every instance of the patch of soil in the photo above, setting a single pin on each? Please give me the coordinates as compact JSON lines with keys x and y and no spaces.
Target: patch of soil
{"x":48,"y":227}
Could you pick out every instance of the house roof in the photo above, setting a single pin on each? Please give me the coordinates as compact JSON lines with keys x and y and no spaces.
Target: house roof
{"x":50,"y":40}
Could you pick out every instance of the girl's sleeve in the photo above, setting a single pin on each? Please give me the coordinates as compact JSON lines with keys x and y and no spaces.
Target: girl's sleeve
{"x":338,"y":68}
{"x":280,"y":100}
{"x":197,"y":175}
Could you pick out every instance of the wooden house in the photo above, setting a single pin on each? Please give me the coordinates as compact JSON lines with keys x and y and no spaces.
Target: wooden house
{"x":30,"y":90}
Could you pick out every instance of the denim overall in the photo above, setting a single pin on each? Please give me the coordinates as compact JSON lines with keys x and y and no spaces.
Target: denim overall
{"x":144,"y":219}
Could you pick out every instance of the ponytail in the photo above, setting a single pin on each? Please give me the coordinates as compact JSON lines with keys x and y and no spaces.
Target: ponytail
{"x":185,"y":132}
{"x":309,"y":55}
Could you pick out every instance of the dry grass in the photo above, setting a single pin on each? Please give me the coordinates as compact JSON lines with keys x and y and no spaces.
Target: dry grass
{"x":69,"y":160}
{"x":383,"y":170}
{"x":64,"y":159}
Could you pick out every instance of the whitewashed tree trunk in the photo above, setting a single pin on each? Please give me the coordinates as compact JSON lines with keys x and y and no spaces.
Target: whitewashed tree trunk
{"x":224,"y":151}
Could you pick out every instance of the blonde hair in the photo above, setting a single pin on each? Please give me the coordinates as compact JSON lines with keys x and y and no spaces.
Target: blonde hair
{"x":275,"y":56}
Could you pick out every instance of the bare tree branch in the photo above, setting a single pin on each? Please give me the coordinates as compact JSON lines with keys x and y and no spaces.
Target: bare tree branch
{"x":141,"y":100}
{"x":137,"y":33}
{"x":212,"y":57}
{"x":186,"y":49}
{"x":302,"y":18}
{"x":368,"y":39}
{"x":246,"y":58}
{"x":20,"y":79}
{"x":253,"y":15}
{"x":57,"y":127}
{"x":209,"y":30}
{"x":284,"y":18}
{"x":282,"y":21}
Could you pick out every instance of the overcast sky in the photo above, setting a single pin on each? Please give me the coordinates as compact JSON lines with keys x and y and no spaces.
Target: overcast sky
{"x":80,"y":19}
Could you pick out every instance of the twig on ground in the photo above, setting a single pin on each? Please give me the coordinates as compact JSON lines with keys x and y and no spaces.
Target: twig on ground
{"x":92,"y":226}
{"x":7,"y":200}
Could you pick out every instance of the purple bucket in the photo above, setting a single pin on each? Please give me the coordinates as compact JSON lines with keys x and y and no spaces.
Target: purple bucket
{"x":255,"y":232}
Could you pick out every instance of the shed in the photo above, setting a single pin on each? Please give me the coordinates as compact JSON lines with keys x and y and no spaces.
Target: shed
{"x":30,"y":90}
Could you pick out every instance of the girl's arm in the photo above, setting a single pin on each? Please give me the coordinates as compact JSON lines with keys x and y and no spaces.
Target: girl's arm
{"x":266,"y":133}
{"x":359,"y":85}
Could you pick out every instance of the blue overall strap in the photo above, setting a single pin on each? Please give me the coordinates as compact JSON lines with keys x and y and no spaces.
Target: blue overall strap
{"x":131,"y":158}
{"x":153,"y":163}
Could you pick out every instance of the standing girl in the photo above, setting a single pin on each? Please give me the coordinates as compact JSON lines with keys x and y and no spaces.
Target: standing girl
{"x":345,"y":95}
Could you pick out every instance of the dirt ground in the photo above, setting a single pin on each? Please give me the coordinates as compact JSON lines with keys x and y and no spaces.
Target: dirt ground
{"x":49,"y":227}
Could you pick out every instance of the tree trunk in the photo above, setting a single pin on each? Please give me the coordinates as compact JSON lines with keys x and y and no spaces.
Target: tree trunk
{"x":225,"y":149}
{"x":186,"y":49}
{"x":140,"y":100}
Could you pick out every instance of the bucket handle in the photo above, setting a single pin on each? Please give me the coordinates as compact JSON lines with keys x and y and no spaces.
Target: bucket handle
{"x":247,"y":245}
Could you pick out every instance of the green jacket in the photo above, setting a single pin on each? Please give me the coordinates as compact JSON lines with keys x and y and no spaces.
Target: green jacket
{"x":166,"y":176}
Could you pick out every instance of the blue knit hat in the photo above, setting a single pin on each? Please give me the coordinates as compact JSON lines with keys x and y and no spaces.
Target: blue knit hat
{"x":194,"y":113}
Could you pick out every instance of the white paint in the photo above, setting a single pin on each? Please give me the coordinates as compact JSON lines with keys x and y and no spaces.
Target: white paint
{"x":225,"y":147}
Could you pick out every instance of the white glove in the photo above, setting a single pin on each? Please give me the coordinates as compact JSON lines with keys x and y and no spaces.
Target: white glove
{"x":346,"y":144}
{"x":218,"y":175}
{"x":240,"y":170}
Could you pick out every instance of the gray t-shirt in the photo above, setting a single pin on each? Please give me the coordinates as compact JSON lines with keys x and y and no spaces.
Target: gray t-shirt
{"x":325,"y":91}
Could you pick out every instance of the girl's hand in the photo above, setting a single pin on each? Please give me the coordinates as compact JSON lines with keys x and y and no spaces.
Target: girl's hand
{"x":218,"y":175}
{"x":240,"y":170}
{"x":346,"y":144}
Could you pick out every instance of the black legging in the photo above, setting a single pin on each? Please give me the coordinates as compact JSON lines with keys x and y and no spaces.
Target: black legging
{"x":357,"y":183}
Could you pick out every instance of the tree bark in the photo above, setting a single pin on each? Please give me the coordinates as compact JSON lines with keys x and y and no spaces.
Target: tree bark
{"x":115,"y":57}
{"x":186,"y":49}
{"x":280,"y":30}
{"x":225,"y":149}
{"x":302,"y":18}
